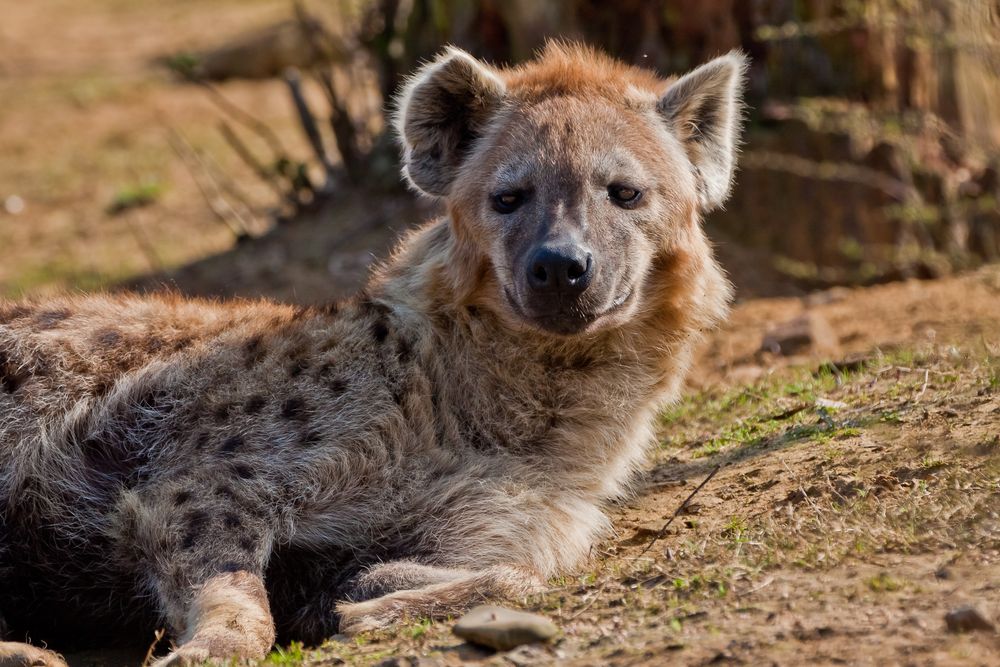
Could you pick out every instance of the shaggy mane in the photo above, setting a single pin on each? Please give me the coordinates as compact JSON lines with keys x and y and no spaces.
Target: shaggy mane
{"x":566,"y":68}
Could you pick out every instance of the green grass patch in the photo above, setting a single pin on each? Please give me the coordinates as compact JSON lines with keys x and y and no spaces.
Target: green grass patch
{"x":883,"y":583}
{"x":135,"y":196}
{"x":293,"y":654}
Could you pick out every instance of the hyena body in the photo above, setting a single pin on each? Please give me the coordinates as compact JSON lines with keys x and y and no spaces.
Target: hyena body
{"x":450,"y":433}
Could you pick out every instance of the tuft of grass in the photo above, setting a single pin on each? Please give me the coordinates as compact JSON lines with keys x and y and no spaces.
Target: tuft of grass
{"x":735,"y":529}
{"x":419,"y":628}
{"x":184,"y":64}
{"x":135,"y":196}
{"x":293,"y":654}
{"x":883,"y":583}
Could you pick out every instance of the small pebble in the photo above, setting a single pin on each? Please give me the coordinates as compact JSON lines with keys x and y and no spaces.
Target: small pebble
{"x":503,"y":629}
{"x":13,"y":205}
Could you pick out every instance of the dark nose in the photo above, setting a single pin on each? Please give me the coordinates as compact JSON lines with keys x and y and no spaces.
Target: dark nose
{"x":566,"y":269}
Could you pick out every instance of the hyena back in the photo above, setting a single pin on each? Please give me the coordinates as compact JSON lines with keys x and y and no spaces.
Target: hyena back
{"x":233,"y":470}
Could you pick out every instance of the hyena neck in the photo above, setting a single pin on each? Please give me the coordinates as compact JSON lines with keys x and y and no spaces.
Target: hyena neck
{"x":584,"y":408}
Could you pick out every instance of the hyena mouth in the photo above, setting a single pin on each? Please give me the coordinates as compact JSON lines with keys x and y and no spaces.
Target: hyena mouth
{"x":570,"y":320}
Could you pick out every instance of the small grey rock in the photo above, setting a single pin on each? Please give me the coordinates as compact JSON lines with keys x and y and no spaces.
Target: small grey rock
{"x":504,"y":629}
{"x":967,"y":619}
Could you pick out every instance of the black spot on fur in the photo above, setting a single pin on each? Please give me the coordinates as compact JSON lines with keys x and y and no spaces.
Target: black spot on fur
{"x":253,"y":351}
{"x":232,"y":444}
{"x":201,"y":440}
{"x":49,"y":319}
{"x":380,"y":331}
{"x":231,"y":520}
{"x":398,"y":395}
{"x":254,"y":404}
{"x":108,"y":337}
{"x":231,"y":566}
{"x":222,"y":411}
{"x":297,"y":349}
{"x":294,"y":408}
{"x":243,"y":471}
{"x":248,"y":543}
{"x":225,"y":491}
{"x":473,"y":311}
{"x":182,"y":497}
{"x":181,"y":342}
{"x":337,"y":386}
{"x":13,"y":312}
{"x":153,"y":344}
{"x":478,"y":440}
{"x":11,"y":376}
{"x":195,"y":524}
{"x":310,"y":438}
{"x":297,"y":366}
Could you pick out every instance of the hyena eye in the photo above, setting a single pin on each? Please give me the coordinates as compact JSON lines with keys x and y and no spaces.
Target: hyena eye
{"x":623,"y":195}
{"x":507,"y":202}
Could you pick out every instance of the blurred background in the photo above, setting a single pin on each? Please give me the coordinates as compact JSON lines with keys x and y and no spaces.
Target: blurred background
{"x":238,"y":147}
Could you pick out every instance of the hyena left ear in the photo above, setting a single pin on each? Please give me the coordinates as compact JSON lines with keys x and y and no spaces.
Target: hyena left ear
{"x":703,"y":109}
{"x":441,"y":112}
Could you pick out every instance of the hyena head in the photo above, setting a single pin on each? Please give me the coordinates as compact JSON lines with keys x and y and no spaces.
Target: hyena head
{"x":566,"y":178}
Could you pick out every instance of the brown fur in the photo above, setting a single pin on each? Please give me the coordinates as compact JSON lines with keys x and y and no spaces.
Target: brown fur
{"x":427,"y":444}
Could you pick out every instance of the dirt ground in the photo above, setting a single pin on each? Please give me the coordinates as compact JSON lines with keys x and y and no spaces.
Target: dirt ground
{"x":857,"y":498}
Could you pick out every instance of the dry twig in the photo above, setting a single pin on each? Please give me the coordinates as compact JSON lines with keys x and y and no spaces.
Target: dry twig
{"x":677,"y":513}
{"x":209,"y":189}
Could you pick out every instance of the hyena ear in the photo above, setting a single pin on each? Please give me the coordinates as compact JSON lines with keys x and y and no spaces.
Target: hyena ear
{"x":441,"y":112}
{"x":704,"y":109}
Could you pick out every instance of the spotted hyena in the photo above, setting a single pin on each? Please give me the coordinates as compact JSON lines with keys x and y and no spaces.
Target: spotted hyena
{"x":236,"y":470}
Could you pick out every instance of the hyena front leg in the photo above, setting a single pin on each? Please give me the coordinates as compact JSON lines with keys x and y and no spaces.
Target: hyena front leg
{"x":204,"y":544}
{"x":229,"y":618}
{"x":392,"y":591}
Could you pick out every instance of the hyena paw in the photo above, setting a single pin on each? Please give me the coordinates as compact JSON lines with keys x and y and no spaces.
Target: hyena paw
{"x":369,"y":616}
{"x":24,"y":655}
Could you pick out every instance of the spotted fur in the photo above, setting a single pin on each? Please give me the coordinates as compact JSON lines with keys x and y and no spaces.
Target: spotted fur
{"x":239,"y":469}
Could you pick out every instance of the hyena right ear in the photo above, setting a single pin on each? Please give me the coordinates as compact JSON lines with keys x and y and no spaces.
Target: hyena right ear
{"x":442,"y":110}
{"x":703,"y":109}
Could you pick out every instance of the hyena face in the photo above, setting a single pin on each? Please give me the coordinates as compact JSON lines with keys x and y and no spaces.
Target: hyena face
{"x":568,"y":177}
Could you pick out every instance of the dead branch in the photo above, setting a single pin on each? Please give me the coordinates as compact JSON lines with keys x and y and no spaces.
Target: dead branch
{"x":344,"y":132}
{"x":308,"y":122}
{"x":248,"y":159}
{"x":262,"y":129}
